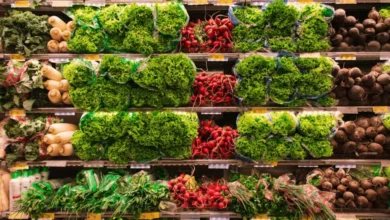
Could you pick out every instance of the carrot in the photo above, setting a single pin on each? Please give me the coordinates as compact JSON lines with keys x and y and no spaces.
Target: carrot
{"x":63,"y":47}
{"x":66,"y":98}
{"x":64,"y":86}
{"x":51,"y":73}
{"x":54,"y":96}
{"x":61,"y":127}
{"x":56,"y":34}
{"x":52,"y":46}
{"x":70,"y":26}
{"x":52,"y":84}
{"x":55,"y":21}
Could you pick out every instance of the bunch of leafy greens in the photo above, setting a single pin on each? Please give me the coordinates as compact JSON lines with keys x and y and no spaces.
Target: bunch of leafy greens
{"x":171,"y":17}
{"x":118,"y":151}
{"x":254,"y":125}
{"x":281,"y":17}
{"x":113,"y":96}
{"x":386,"y":120}
{"x":326,"y":101}
{"x":253,"y":148}
{"x":256,"y":65}
{"x":283,"y":123}
{"x":317,"y":148}
{"x":110,"y":19}
{"x":117,"y":69}
{"x":314,"y":84}
{"x":136,"y":16}
{"x":24,"y":33}
{"x":84,"y":15}
{"x":79,"y":73}
{"x":322,"y":65}
{"x":86,"y":39}
{"x":284,"y":43}
{"x":277,"y":148}
{"x":385,"y":12}
{"x":252,"y":90}
{"x":140,"y":97}
{"x":86,"y":97}
{"x":312,"y":34}
{"x":249,"y":15}
{"x":140,"y":40}
{"x":166,"y":72}
{"x":317,"y":126}
{"x":247,"y":39}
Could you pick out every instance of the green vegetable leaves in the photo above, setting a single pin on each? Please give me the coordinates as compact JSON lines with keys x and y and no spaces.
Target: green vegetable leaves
{"x":171,"y":18}
{"x":118,"y":69}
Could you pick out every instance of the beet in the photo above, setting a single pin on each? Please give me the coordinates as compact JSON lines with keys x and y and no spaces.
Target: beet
{"x":357,"y":93}
{"x":349,"y":127}
{"x":334,"y":143}
{"x":380,"y":27}
{"x":374,"y":73}
{"x":383,"y":79}
{"x":362,"y":39}
{"x":374,"y":14}
{"x":340,"y":202}
{"x":344,"y":101}
{"x":369,"y":23}
{"x":360,"y":27}
{"x":368,"y":80}
{"x":341,"y":189}
{"x":350,"y":21}
{"x":327,"y":186}
{"x":329,"y":172}
{"x":355,"y":72}
{"x":361,"y":148}
{"x":366,"y":184}
{"x":348,"y":40}
{"x":344,"y":47}
{"x":387,"y":23}
{"x":354,"y":32}
{"x":340,"y":136}
{"x":353,"y":185}
{"x":387,"y":87}
{"x":340,"y":92}
{"x":369,"y":31}
{"x":362,"y":202}
{"x":339,"y":16}
{"x":374,"y":147}
{"x":377,"y":68}
{"x":373,"y":46}
{"x":363,"y":122}
{"x":335,"y":70}
{"x":380,"y":139}
{"x":340,"y":173}
{"x":343,"y":32}
{"x":385,"y":47}
{"x":371,"y":132}
{"x":375,"y":121}
{"x":358,"y":135}
{"x":343,"y":74}
{"x":331,"y":32}
{"x":360,"y":191}
{"x":347,"y":83}
{"x":382,"y":37}
{"x":348,"y":196}
{"x":336,"y":40}
{"x":358,"y":81}
{"x":382,"y":129}
{"x":383,"y":192}
{"x":371,"y":195}
{"x":377,"y":89}
{"x":349,"y":147}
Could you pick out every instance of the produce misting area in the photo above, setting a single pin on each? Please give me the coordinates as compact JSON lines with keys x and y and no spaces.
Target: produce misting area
{"x":197,"y":109}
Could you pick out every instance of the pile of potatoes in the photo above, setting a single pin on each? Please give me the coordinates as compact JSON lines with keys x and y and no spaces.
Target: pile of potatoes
{"x":57,"y":86}
{"x":347,"y":34}
{"x":356,"y":88}
{"x":365,"y":134}
{"x":351,"y":193}
{"x":60,"y":34}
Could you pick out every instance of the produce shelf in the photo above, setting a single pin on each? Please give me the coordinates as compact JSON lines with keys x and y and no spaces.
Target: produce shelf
{"x":220,"y":109}
{"x":212,"y":163}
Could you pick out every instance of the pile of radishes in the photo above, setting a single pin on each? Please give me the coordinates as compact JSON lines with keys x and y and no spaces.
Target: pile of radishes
{"x":214,"y":142}
{"x":213,"y":89}
{"x":210,"y":195}
{"x":211,"y":36}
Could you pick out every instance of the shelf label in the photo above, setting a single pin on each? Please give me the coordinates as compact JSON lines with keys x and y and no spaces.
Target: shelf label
{"x":94,"y":216}
{"x":21,"y":4}
{"x":17,"y":57}
{"x":149,"y":215}
{"x":263,"y":165}
{"x":303,"y":166}
{"x":46,"y":216}
{"x":305,"y":1}
{"x":260,"y":217}
{"x":55,"y":163}
{"x":347,"y":166}
{"x":61,"y":3}
{"x":140,"y":166}
{"x":309,"y":55}
{"x":224,"y":2}
{"x":380,"y":109}
{"x":219,"y":166}
{"x":346,"y":57}
{"x":17,"y":112}
{"x":259,"y":110}
{"x":345,"y":1}
{"x":200,"y":2}
{"x":20,"y":166}
{"x":273,"y":163}
{"x":64,"y":113}
{"x":217,"y":57}
{"x":17,"y":215}
{"x":348,"y":110}
{"x":92,"y":57}
{"x":94,"y":164}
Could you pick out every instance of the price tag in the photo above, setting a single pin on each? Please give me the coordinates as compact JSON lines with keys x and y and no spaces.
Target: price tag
{"x":55,"y":163}
{"x":17,"y":215}
{"x":224,"y":2}
{"x":380,"y":109}
{"x":273,"y":163}
{"x":140,"y":166}
{"x":46,"y":216}
{"x":94,"y":164}
{"x":346,"y":166}
{"x":200,"y":2}
{"x":219,"y":166}
{"x":17,"y":57}
{"x":346,"y":2}
{"x":64,"y":113}
{"x":92,"y":57}
{"x":60,"y":3}
{"x":94,"y":216}
{"x":310,"y":55}
{"x":20,"y":166}
{"x":149,"y":215}
{"x":21,"y":4}
{"x":259,"y":110}
{"x":260,"y":217}
{"x":305,"y":1}
{"x":17,"y":112}
{"x":217,"y":57}
{"x":346,"y":57}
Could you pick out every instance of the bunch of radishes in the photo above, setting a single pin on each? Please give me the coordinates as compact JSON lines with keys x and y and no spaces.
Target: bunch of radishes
{"x":214,"y":142}
{"x":210,"y":195}
{"x":211,"y":36}
{"x":213,"y":89}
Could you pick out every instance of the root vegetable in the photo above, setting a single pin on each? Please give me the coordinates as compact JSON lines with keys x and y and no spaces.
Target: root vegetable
{"x":327,"y":186}
{"x":335,"y":181}
{"x":51,"y":73}
{"x":340,"y":92}
{"x":65,"y":137}
{"x":70,"y":26}
{"x":341,"y":189}
{"x":344,"y":101}
{"x":380,"y":139}
{"x":66,"y":150}
{"x":63,"y":47}
{"x":373,"y":46}
{"x":340,"y":202}
{"x":354,"y":32}
{"x":340,"y":173}
{"x":353,"y":185}
{"x":65,"y":35}
{"x":377,"y":89}
{"x":348,"y":196}
{"x":54,"y":96}
{"x":361,"y":191}
{"x":329,"y":172}
{"x":362,"y":202}
{"x":349,"y":147}
{"x":363,"y":122}
{"x":377,"y":68}
{"x":387,"y":87}
{"x":64,"y":86}
{"x":343,"y":32}
{"x":350,"y":21}
{"x":51,"y":139}
{"x":56,"y":34}
{"x":339,"y":16}
{"x":362,"y":40}
{"x":383,"y":192}
{"x":331,"y":32}
{"x":370,"y":31}
{"x":361,"y":148}
{"x":375,"y":121}
{"x":360,"y":27}
{"x":351,"y":205}
{"x":374,"y":147}
{"x":340,"y":136}
{"x":344,"y":47}
{"x":368,"y":80}
{"x":374,"y":14}
{"x":357,"y":93}
{"x":383,"y":79}
{"x":52,"y":84}
{"x":379,"y":181}
{"x":334,"y":144}
{"x":382,"y":129}
{"x":54,"y":149}
{"x":371,"y":195}
{"x":336,"y":40}
{"x":355,"y":72}
{"x":349,"y":127}
{"x":66,"y":98}
{"x":382,"y":37}
{"x":369,"y":23}
{"x":380,"y":27}
{"x":52,"y":46}
{"x":358,"y":81}
{"x":57,"y":22}
{"x":335,"y":70}
{"x":386,"y":47}
{"x":344,"y":181}
{"x":61,"y":127}
{"x":371,"y":132}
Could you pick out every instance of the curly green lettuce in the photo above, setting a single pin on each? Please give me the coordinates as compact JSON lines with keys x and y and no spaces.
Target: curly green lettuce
{"x":140,"y":97}
{"x":316,"y":126}
{"x":135,"y":16}
{"x":252,"y":148}
{"x":296,"y":151}
{"x":386,"y":120}
{"x":252,"y":90}
{"x":281,"y":16}
{"x":140,"y":40}
{"x":251,"y":15}
{"x":312,"y":45}
{"x":79,"y":73}
{"x":113,"y":97}
{"x":117,"y":69}
{"x":171,"y":18}
{"x":277,"y":149}
{"x":256,"y":65}
{"x":96,"y":125}
{"x":143,"y":153}
{"x":87,"y":98}
{"x":317,"y":148}
{"x":119,"y":151}
{"x":254,"y":125}
{"x":326,"y":101}
{"x":110,"y":19}
{"x":283,"y":87}
{"x":314,"y":84}
{"x":285,"y":43}
{"x":86,"y":40}
{"x":86,"y":149}
{"x":247,"y":39}
{"x":321,"y":65}
{"x":283,"y":123}
{"x":84,"y":15}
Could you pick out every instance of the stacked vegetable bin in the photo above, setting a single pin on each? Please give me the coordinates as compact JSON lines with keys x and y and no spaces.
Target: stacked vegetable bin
{"x":173,"y":110}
